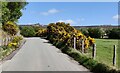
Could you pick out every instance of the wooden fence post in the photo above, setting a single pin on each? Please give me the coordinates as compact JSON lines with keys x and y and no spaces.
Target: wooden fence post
{"x":94,"y":51}
{"x":74,"y":42}
{"x":82,"y":46}
{"x":114,"y":56}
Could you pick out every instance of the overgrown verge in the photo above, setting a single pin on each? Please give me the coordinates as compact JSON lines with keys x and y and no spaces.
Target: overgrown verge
{"x":6,"y":50}
{"x":92,"y":65}
{"x":61,"y":35}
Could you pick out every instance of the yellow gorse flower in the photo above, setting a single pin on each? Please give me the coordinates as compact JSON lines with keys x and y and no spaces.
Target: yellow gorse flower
{"x":12,"y":44}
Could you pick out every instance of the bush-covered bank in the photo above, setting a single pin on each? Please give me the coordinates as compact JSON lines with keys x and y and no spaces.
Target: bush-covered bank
{"x":6,"y":50}
{"x":10,"y":39}
{"x":89,"y":63}
{"x":61,"y":34}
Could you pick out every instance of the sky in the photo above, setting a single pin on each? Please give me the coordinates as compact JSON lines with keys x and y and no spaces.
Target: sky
{"x":75,"y":13}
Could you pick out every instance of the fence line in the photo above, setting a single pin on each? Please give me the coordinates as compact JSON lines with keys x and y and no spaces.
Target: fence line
{"x":94,"y":50}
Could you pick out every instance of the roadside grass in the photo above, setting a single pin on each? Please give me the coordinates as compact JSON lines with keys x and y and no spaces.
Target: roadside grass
{"x":104,"y":51}
{"x":93,"y":65}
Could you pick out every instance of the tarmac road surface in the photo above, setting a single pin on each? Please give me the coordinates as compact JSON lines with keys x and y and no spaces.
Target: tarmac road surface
{"x":39,"y":55}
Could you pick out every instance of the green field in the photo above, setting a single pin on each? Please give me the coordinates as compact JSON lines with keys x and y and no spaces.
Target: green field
{"x":105,"y":50}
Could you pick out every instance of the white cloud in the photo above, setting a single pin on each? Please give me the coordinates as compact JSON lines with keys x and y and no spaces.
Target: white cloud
{"x":51,"y":11}
{"x":67,"y":21}
{"x":116,"y":17}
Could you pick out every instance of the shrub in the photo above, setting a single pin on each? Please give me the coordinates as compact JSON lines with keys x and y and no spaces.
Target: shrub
{"x":12,"y":45}
{"x":5,"y":47}
{"x":101,"y":68}
{"x":64,"y":34}
{"x":41,"y":32}
{"x":10,"y":27}
{"x":90,"y":64}
{"x":28,"y":31}
{"x":75,"y":55}
{"x":17,"y":39}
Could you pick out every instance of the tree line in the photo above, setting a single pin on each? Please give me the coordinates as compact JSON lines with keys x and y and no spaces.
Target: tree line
{"x":101,"y":32}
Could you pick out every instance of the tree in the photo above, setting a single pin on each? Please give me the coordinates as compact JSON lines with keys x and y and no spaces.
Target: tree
{"x":84,"y":31}
{"x":95,"y":32}
{"x":11,"y":11}
{"x":113,"y":33}
{"x":28,"y":31}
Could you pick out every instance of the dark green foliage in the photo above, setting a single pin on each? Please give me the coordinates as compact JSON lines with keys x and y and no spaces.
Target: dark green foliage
{"x":5,"y":47}
{"x":95,"y":32}
{"x":101,"y":68}
{"x":60,"y":44}
{"x":11,"y":11}
{"x":27,"y":31}
{"x":85,"y":32}
{"x":113,"y":33}
{"x":90,"y":64}
{"x":114,"y":71}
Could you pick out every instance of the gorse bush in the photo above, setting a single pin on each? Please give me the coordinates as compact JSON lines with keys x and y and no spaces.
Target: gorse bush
{"x":15,"y":42}
{"x":41,"y":32}
{"x":11,"y":28}
{"x":16,"y":39}
{"x":64,"y":33}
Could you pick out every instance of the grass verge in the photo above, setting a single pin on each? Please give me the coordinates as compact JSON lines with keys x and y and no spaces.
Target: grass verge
{"x":89,"y":63}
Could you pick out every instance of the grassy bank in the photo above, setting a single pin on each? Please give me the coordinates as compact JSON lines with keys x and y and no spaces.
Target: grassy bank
{"x":93,"y":65}
{"x":104,"y":52}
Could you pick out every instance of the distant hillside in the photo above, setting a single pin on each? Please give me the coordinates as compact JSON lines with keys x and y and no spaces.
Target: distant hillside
{"x":77,"y":27}
{"x":104,"y":26}
{"x":44,"y":26}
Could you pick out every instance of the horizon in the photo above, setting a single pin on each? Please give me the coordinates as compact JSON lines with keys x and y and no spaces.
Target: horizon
{"x":76,"y":25}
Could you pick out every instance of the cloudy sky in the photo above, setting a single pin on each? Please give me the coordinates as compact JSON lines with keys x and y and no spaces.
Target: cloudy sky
{"x":76,"y":13}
